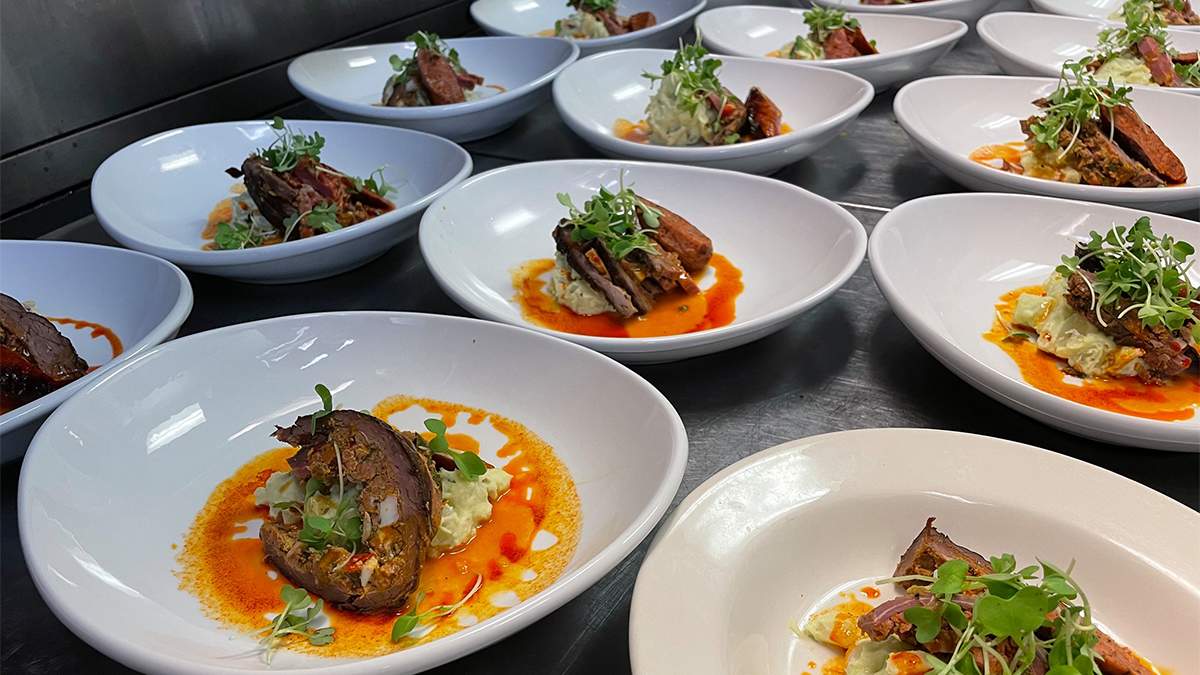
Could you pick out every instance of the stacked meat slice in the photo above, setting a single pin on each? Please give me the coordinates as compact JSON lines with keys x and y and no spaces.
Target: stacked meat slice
{"x":35,"y":359}
{"x":615,"y":24}
{"x":844,"y":43}
{"x":435,"y":80}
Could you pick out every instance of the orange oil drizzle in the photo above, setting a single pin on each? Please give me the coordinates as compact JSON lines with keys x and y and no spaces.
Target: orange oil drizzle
{"x":1008,"y":154}
{"x":639,"y":131}
{"x":98,"y":330}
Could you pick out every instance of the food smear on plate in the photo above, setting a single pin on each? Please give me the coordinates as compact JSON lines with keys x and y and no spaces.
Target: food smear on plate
{"x":359,"y":539}
{"x":597,"y":19}
{"x":627,"y":267}
{"x":831,"y":35}
{"x":288,"y":194}
{"x":1172,"y":12}
{"x":890,"y":2}
{"x":433,"y":75}
{"x":639,"y":131}
{"x":691,"y":107}
{"x":956,"y":612}
{"x":1140,"y":52}
{"x":1113,"y":327}
{"x":35,"y":358}
{"x":1088,"y":132}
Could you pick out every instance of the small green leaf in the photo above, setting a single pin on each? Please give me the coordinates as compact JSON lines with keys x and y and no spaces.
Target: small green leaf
{"x":405,"y":623}
{"x":927,"y":622}
{"x":1023,"y":613}
{"x":950,"y":576}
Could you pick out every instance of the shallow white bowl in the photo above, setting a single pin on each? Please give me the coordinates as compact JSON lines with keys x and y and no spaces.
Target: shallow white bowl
{"x":1090,"y":9}
{"x":348,"y":82}
{"x":948,"y":117}
{"x":908,"y":45}
{"x":1037,"y":44}
{"x":774,"y":537}
{"x":963,"y":10}
{"x":531,"y":17}
{"x":207,"y":403}
{"x":799,"y":250}
{"x":817,"y":103}
{"x":943,"y":262}
{"x":155,"y":195}
{"x":143,"y":300}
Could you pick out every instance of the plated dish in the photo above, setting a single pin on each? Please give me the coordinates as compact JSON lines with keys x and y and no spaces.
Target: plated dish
{"x":314,"y":187}
{"x":415,"y":548}
{"x":962,"y":10}
{"x":1141,"y":52}
{"x":1175,"y":12}
{"x":433,"y":75}
{"x":1014,"y":314}
{"x":1171,"y":12}
{"x":832,"y":34}
{"x":592,"y":19}
{"x":719,"y":591}
{"x":653,"y":261}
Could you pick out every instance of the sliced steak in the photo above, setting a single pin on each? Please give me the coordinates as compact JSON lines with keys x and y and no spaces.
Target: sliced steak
{"x":932,"y":548}
{"x":1186,"y":58}
{"x":283,"y":195}
{"x":1139,"y":140}
{"x":861,"y":43}
{"x":595,"y":273}
{"x":1160,"y":65}
{"x":399,"y":502}
{"x":277,"y":197}
{"x":438,"y":78}
{"x":838,"y":45}
{"x":611,"y":23}
{"x":764,"y":119}
{"x":35,"y":359}
{"x":677,"y":235}
{"x":640,"y":21}
{"x":628,"y":276}
{"x":1099,"y":160}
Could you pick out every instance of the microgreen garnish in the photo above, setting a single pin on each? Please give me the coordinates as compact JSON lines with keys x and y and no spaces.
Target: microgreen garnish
{"x":234,"y":236}
{"x":613,"y":220}
{"x":299,"y":612}
{"x":468,"y":463}
{"x":284,"y":153}
{"x":406,"y":623}
{"x":695,"y":76}
{"x":593,"y":5}
{"x":406,"y":68}
{"x":322,"y":218}
{"x":1077,"y":101}
{"x":376,"y":182}
{"x":824,"y":21}
{"x":1189,"y":73}
{"x":1148,"y":271}
{"x":1141,"y":21}
{"x":342,"y":528}
{"x":326,"y":405}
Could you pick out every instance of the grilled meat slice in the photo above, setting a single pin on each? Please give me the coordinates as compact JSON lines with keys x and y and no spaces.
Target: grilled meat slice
{"x":1160,"y":65}
{"x":282,"y":195}
{"x":930,"y":549}
{"x":764,"y":119}
{"x":438,"y":78}
{"x":593,"y":270}
{"x":640,"y":20}
{"x":1183,"y":16}
{"x":277,"y":195}
{"x":629,"y":276}
{"x":861,"y":43}
{"x":1099,"y":160}
{"x":1186,"y":58}
{"x":676,"y":235}
{"x":1139,"y":140}
{"x":399,"y":502}
{"x":838,"y":45}
{"x":35,"y":359}
{"x":1165,"y":354}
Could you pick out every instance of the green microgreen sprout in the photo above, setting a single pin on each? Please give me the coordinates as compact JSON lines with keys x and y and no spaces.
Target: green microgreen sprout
{"x":1077,"y":100}
{"x":342,"y":527}
{"x":406,"y":623}
{"x":326,"y":405}
{"x":696,"y":77}
{"x":299,"y":613}
{"x":822,"y":22}
{"x":468,"y":463}
{"x":322,"y":218}
{"x":284,"y":153}
{"x":232,"y":236}
{"x":615,"y":219}
{"x":407,"y":68}
{"x":1141,"y":21}
{"x":593,"y":5}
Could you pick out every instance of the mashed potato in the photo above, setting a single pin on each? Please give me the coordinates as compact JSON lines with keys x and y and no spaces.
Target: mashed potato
{"x":580,"y":26}
{"x":466,"y":504}
{"x":1069,"y":335}
{"x":671,"y":124}
{"x":1126,"y":70}
{"x":573,"y":292}
{"x":1040,"y":161}
{"x":803,"y":49}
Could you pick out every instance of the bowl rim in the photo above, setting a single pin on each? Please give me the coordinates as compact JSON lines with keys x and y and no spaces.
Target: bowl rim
{"x":199,"y":258}
{"x":1172,"y":194}
{"x":303,"y":84}
{"x":166,"y":327}
{"x":910,"y":8}
{"x":979,"y":373}
{"x":871,"y":59}
{"x":595,"y":43}
{"x":444,"y":650}
{"x":621,"y":346}
{"x":662,"y":153}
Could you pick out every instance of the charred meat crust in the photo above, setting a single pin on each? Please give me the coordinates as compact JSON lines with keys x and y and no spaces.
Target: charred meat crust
{"x":35,"y":359}
{"x":931,"y":548}
{"x":596,"y":275}
{"x":618,"y":25}
{"x":764,"y":119}
{"x":399,"y":503}
{"x":1162,"y":70}
{"x":438,"y":78}
{"x":1099,"y":159}
{"x":1140,"y":141}
{"x":676,"y":235}
{"x":282,"y":195}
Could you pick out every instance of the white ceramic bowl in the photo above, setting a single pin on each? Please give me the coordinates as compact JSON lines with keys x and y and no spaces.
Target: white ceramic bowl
{"x":1037,"y":44}
{"x":1090,"y":9}
{"x":908,"y":45}
{"x":817,"y":103}
{"x":531,"y":17}
{"x":943,"y":262}
{"x":155,"y":195}
{"x":348,"y":82}
{"x":800,"y":249}
{"x":948,"y":117}
{"x":207,"y":403}
{"x":963,"y":10}
{"x":143,"y":300}
{"x":774,"y":537}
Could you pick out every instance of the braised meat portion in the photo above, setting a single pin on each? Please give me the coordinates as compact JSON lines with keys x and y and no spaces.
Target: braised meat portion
{"x":930,"y":548}
{"x":844,"y":43}
{"x":764,"y":119}
{"x":1099,"y":159}
{"x":433,"y":75}
{"x":615,"y":24}
{"x":398,"y":501}
{"x":35,"y":359}
{"x":1139,"y":140}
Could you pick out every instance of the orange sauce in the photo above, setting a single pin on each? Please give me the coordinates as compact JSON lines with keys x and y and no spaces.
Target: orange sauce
{"x":98,"y":331}
{"x":223,"y":565}
{"x":223,"y":213}
{"x":1176,"y":400}
{"x":1007,"y":154}
{"x":674,"y":314}
{"x":549,"y":32}
{"x":907,"y":663}
{"x":834,"y":666}
{"x":870,"y":592}
{"x":639,"y":131}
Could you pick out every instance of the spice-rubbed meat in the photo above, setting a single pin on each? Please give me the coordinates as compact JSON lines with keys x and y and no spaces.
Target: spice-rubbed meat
{"x":931,"y":548}
{"x":438,"y":78}
{"x":399,"y":502}
{"x":764,"y":119}
{"x":677,"y":235}
{"x":35,"y":359}
{"x":1098,"y":158}
{"x":1160,"y":65}
{"x":838,"y":45}
{"x":593,"y":270}
{"x":640,"y":20}
{"x":1139,"y":140}
{"x":861,"y":43}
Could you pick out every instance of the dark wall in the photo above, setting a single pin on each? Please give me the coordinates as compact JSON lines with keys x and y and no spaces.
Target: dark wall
{"x":80,"y":79}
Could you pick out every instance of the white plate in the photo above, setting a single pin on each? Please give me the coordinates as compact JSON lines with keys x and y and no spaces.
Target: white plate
{"x":817,"y":103}
{"x":948,"y":117}
{"x":963,"y":10}
{"x":155,"y":195}
{"x":143,"y":300}
{"x":531,"y":17}
{"x":769,"y":539}
{"x":1089,"y":9}
{"x":1037,"y":44}
{"x":348,"y":82}
{"x":207,"y":403}
{"x":800,"y":249}
{"x":908,"y":45}
{"x":943,"y":262}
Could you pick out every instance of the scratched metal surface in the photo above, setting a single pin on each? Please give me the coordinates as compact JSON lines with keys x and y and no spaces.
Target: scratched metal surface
{"x":847,"y":364}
